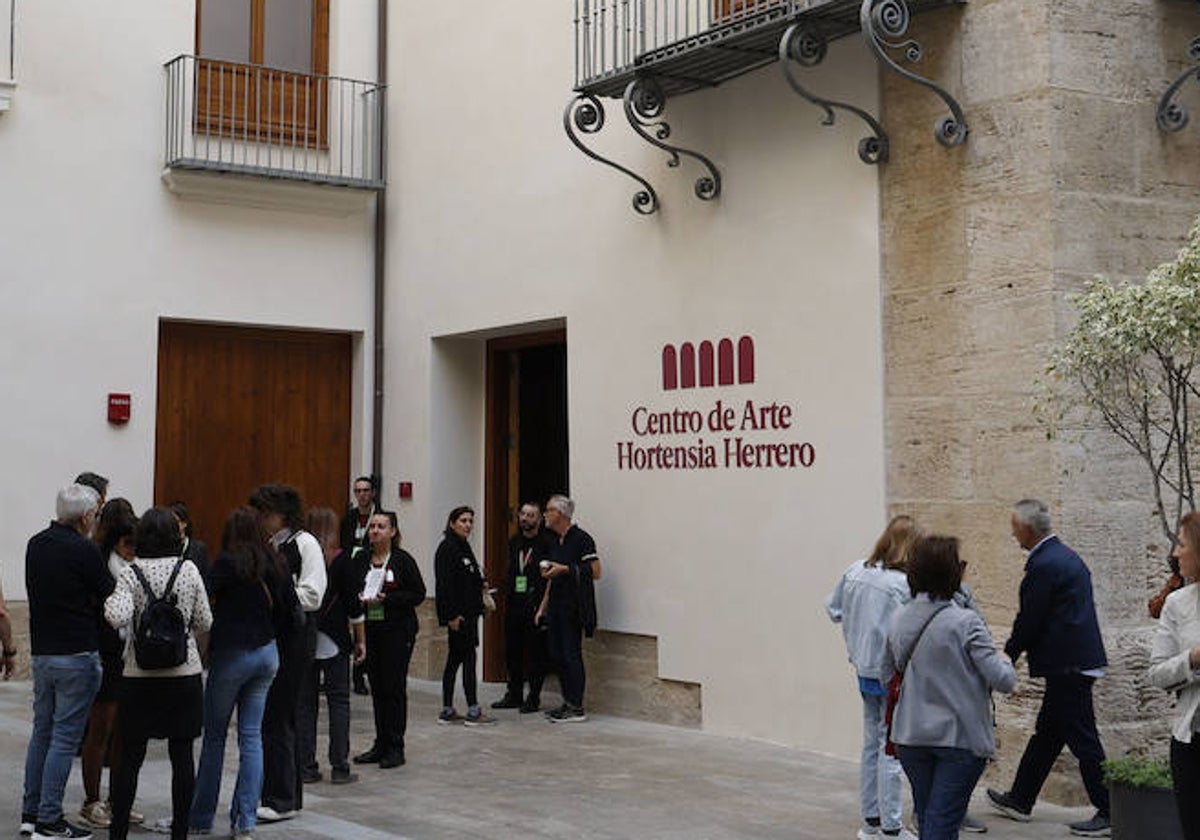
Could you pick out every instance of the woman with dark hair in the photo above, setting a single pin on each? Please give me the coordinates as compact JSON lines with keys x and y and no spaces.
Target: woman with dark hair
{"x":340,"y":611}
{"x":390,"y":589}
{"x":252,"y":593}
{"x":460,"y":586}
{"x":1174,"y":665}
{"x":942,"y":725}
{"x":193,"y":549}
{"x":114,"y":537}
{"x":863,"y":602}
{"x":163,"y":702}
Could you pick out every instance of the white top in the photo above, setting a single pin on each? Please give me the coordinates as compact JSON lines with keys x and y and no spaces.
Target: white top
{"x":128,"y":600}
{"x":312,"y":580}
{"x":1178,"y":632}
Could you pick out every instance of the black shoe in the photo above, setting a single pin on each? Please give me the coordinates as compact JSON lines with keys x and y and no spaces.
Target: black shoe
{"x":508,"y":701}
{"x":1006,"y":805}
{"x":61,"y":828}
{"x":1097,"y":826}
{"x":371,"y":756}
{"x":390,"y":760}
{"x":361,"y":689}
{"x":342,"y":776}
{"x":28,"y":821}
{"x":311,"y":776}
{"x":531,"y":705}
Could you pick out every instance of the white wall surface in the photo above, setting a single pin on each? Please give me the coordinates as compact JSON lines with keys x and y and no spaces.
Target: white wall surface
{"x":497,"y":220}
{"x":94,"y":251}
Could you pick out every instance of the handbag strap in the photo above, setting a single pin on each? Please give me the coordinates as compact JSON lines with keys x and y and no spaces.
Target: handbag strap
{"x":920,"y":633}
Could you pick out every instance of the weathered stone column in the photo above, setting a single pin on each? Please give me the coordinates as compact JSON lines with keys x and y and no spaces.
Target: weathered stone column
{"x":1064,"y":175}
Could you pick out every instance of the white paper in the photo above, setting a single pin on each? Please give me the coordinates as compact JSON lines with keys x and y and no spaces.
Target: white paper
{"x":373,"y":585}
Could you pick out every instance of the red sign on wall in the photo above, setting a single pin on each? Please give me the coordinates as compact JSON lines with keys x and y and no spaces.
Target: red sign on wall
{"x":118,"y":408}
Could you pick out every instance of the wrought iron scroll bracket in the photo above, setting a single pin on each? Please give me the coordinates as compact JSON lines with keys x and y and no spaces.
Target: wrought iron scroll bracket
{"x":644,"y":104}
{"x":585,"y":114}
{"x":807,"y":46}
{"x":884,"y":24}
{"x":1172,"y":116}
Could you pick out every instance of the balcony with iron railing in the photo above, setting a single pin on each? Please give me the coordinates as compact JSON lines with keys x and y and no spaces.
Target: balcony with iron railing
{"x":645,"y":52}
{"x":249,"y":120}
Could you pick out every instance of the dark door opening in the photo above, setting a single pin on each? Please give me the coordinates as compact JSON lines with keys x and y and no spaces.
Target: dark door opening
{"x":527,"y":453}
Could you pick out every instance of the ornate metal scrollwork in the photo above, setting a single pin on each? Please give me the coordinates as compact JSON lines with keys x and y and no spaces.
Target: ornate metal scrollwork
{"x":1171,"y":116}
{"x":585,"y":114}
{"x":644,"y":104}
{"x":806,"y":45}
{"x":884,"y":23}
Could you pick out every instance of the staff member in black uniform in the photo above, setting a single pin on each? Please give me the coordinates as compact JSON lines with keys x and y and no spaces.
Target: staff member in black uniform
{"x":569,"y":603}
{"x":523,"y":640}
{"x":391,"y":628}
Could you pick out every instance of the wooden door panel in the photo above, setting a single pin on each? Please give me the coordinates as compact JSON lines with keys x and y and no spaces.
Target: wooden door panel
{"x":238,"y":407}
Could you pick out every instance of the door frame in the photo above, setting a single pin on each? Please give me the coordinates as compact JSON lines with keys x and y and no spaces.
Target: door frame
{"x":501,"y":442}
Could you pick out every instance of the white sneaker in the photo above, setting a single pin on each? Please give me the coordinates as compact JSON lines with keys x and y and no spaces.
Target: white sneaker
{"x":267,"y":814}
{"x":868,"y":832}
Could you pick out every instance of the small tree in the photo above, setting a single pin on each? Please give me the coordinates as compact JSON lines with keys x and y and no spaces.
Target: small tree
{"x":1132,"y":356}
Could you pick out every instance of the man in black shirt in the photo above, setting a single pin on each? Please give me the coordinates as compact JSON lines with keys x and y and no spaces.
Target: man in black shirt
{"x":66,"y":582}
{"x":523,"y":640}
{"x":352,"y":535}
{"x":568,"y":603}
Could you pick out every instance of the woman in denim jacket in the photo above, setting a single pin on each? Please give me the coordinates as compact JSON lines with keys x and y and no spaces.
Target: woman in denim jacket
{"x":863,"y":602}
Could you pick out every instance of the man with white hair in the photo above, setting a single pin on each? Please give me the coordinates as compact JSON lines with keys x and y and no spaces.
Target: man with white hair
{"x":569,"y":603}
{"x":66,"y":583}
{"x":1056,"y":625}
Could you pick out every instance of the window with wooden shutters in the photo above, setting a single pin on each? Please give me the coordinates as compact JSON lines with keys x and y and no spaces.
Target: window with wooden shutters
{"x":262,"y":70}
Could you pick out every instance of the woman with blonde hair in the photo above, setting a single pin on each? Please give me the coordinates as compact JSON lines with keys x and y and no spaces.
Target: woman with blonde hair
{"x":863,"y":602}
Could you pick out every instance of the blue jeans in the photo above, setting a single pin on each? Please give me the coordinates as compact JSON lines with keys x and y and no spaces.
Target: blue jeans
{"x":881,"y":780}
{"x":63,"y":688}
{"x":942,"y":779}
{"x":241,"y":679}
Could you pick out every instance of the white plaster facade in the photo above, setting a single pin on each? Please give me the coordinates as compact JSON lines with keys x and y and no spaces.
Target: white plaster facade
{"x":495,"y":222}
{"x":94,"y":251}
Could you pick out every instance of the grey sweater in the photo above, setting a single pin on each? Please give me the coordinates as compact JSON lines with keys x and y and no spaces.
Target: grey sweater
{"x":945,"y":699}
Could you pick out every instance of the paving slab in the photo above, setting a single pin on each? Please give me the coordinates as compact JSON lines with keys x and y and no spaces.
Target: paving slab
{"x":608,"y":778}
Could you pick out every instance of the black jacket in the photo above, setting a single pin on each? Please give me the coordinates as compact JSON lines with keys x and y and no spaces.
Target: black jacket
{"x":1056,"y":622}
{"x":341,"y":602}
{"x":525,"y":555}
{"x":459,"y":582}
{"x":349,"y":526}
{"x":66,"y":583}
{"x":401,"y":595}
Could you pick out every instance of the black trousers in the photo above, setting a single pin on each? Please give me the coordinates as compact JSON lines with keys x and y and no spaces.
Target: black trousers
{"x":389,"y":651}
{"x":1066,"y":718}
{"x":524,"y":644}
{"x":461,"y":653}
{"x":566,"y":649}
{"x":330,"y":677}
{"x":124,"y":784}
{"x":1185,"y":771}
{"x":283,"y":786}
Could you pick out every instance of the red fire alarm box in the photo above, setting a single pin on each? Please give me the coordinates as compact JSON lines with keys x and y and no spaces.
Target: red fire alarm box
{"x":405,"y":489}
{"x":118,"y":409}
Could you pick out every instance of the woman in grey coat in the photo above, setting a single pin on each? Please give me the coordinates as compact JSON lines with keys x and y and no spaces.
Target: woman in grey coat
{"x":942,"y":725}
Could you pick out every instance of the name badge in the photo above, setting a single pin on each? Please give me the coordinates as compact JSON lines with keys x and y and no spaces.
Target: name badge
{"x":375,"y":612}
{"x":522,"y":584}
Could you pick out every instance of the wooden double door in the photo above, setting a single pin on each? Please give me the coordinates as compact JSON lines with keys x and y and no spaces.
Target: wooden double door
{"x":242,"y":406}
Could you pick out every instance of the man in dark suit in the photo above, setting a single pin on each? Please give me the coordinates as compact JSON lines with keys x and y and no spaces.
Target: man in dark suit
{"x":352,"y":535}
{"x":1056,"y":626}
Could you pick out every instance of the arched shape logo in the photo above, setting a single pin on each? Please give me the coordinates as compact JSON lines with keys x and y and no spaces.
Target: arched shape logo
{"x":687,"y":367}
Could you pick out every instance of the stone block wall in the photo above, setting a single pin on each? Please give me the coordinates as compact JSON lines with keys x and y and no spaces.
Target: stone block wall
{"x":1064,"y":176}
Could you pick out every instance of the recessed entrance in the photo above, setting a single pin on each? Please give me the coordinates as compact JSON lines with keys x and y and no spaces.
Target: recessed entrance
{"x":241,"y":406}
{"x":527,"y":454}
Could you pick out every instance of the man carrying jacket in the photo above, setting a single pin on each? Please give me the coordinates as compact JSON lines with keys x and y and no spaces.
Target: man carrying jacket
{"x":1056,"y":626}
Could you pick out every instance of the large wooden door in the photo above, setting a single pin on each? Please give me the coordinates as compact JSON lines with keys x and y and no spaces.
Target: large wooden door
{"x":239,"y":407}
{"x":527,"y":454}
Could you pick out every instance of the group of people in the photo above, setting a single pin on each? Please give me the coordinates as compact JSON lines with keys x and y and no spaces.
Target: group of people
{"x":127,"y":615}
{"x":927,"y":666}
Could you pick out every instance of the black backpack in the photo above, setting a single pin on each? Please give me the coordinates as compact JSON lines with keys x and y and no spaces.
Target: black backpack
{"x":160,"y":635}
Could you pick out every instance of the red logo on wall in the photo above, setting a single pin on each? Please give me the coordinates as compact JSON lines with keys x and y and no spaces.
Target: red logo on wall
{"x":680,"y":369}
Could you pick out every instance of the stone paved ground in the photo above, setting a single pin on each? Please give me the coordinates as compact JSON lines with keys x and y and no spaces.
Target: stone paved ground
{"x":525,"y":778}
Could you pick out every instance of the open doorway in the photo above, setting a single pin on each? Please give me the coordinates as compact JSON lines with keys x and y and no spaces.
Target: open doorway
{"x":527,"y":453}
